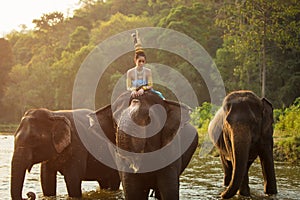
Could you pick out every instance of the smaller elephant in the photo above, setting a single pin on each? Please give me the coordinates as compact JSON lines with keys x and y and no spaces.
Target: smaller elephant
{"x":52,"y":138}
{"x":242,"y":130}
{"x":150,"y":126}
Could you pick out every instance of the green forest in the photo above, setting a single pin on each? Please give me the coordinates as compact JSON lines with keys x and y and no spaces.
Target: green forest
{"x":254,"y":44}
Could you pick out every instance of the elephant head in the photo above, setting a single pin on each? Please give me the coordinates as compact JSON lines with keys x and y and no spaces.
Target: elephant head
{"x":242,"y":130}
{"x":40,"y":136}
{"x":145,"y":123}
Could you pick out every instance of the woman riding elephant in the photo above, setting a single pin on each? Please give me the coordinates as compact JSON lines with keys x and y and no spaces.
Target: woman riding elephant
{"x":155,"y":143}
{"x":139,"y":78}
{"x":52,"y":137}
{"x":242,"y":130}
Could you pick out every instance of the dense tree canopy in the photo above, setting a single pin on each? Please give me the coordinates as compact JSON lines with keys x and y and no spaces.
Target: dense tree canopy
{"x":255,"y":45}
{"x":6,"y":62}
{"x":261,"y":48}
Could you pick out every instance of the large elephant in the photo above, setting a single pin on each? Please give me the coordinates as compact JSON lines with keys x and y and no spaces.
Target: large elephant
{"x":155,"y":143}
{"x":242,"y":130}
{"x":51,"y":137}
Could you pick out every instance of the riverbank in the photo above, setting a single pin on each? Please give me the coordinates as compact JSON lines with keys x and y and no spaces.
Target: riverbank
{"x":286,"y":146}
{"x":8,"y":129}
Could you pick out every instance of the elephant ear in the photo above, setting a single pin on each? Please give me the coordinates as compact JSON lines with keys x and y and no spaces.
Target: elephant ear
{"x":267,"y":125}
{"x":61,"y":133}
{"x":178,"y":115}
{"x":181,"y":111}
{"x":103,"y":116}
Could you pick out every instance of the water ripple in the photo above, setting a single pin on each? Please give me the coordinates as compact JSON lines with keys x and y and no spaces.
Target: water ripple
{"x":203,"y":179}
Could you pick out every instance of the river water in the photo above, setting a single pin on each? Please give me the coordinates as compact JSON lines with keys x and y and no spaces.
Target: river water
{"x":201,"y":180}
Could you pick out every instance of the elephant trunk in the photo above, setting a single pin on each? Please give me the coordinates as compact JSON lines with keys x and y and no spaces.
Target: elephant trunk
{"x":19,"y":164}
{"x":240,"y":146}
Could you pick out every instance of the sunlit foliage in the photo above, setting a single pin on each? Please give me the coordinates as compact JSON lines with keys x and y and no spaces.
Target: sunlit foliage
{"x":41,"y":64}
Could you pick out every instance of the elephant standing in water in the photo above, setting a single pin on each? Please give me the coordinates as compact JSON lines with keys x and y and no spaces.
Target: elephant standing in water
{"x":242,"y":130}
{"x":51,"y":137}
{"x":155,"y":143}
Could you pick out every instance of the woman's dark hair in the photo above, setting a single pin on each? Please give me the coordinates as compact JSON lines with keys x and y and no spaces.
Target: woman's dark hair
{"x":139,"y":54}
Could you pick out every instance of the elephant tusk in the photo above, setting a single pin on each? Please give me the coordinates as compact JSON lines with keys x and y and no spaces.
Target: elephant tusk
{"x":127,"y":162}
{"x":92,"y":122}
{"x":134,"y":168}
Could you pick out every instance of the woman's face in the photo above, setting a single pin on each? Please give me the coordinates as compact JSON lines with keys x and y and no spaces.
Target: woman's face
{"x":140,"y":61}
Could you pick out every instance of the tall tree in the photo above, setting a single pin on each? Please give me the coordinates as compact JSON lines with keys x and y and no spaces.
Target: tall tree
{"x":22,"y":45}
{"x":6,"y":63}
{"x":253,"y":33}
{"x":48,"y":21}
{"x":196,"y":21}
{"x":79,"y":38}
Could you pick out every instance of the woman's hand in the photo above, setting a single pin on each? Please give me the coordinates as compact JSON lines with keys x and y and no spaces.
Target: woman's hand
{"x":140,"y":92}
{"x":137,"y":93}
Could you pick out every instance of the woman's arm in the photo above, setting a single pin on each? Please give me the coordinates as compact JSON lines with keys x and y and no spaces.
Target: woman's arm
{"x":149,"y":80}
{"x":129,"y":81}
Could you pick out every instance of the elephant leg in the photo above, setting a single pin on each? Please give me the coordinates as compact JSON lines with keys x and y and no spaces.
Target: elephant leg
{"x":134,"y":187}
{"x":168,"y":183}
{"x":244,"y":189}
{"x":267,"y":164}
{"x":109,"y":184}
{"x":227,"y":168}
{"x":136,"y":193}
{"x":112,"y":182}
{"x":103,"y":183}
{"x":48,"y":180}
{"x":73,"y":186}
{"x":75,"y":172}
{"x":155,"y":193}
{"x":73,"y":177}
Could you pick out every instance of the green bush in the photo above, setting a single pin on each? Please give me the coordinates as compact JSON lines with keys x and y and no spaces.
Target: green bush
{"x":287,"y":133}
{"x":201,"y":116}
{"x":289,"y":120}
{"x":276,"y":114}
{"x":287,"y":149}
